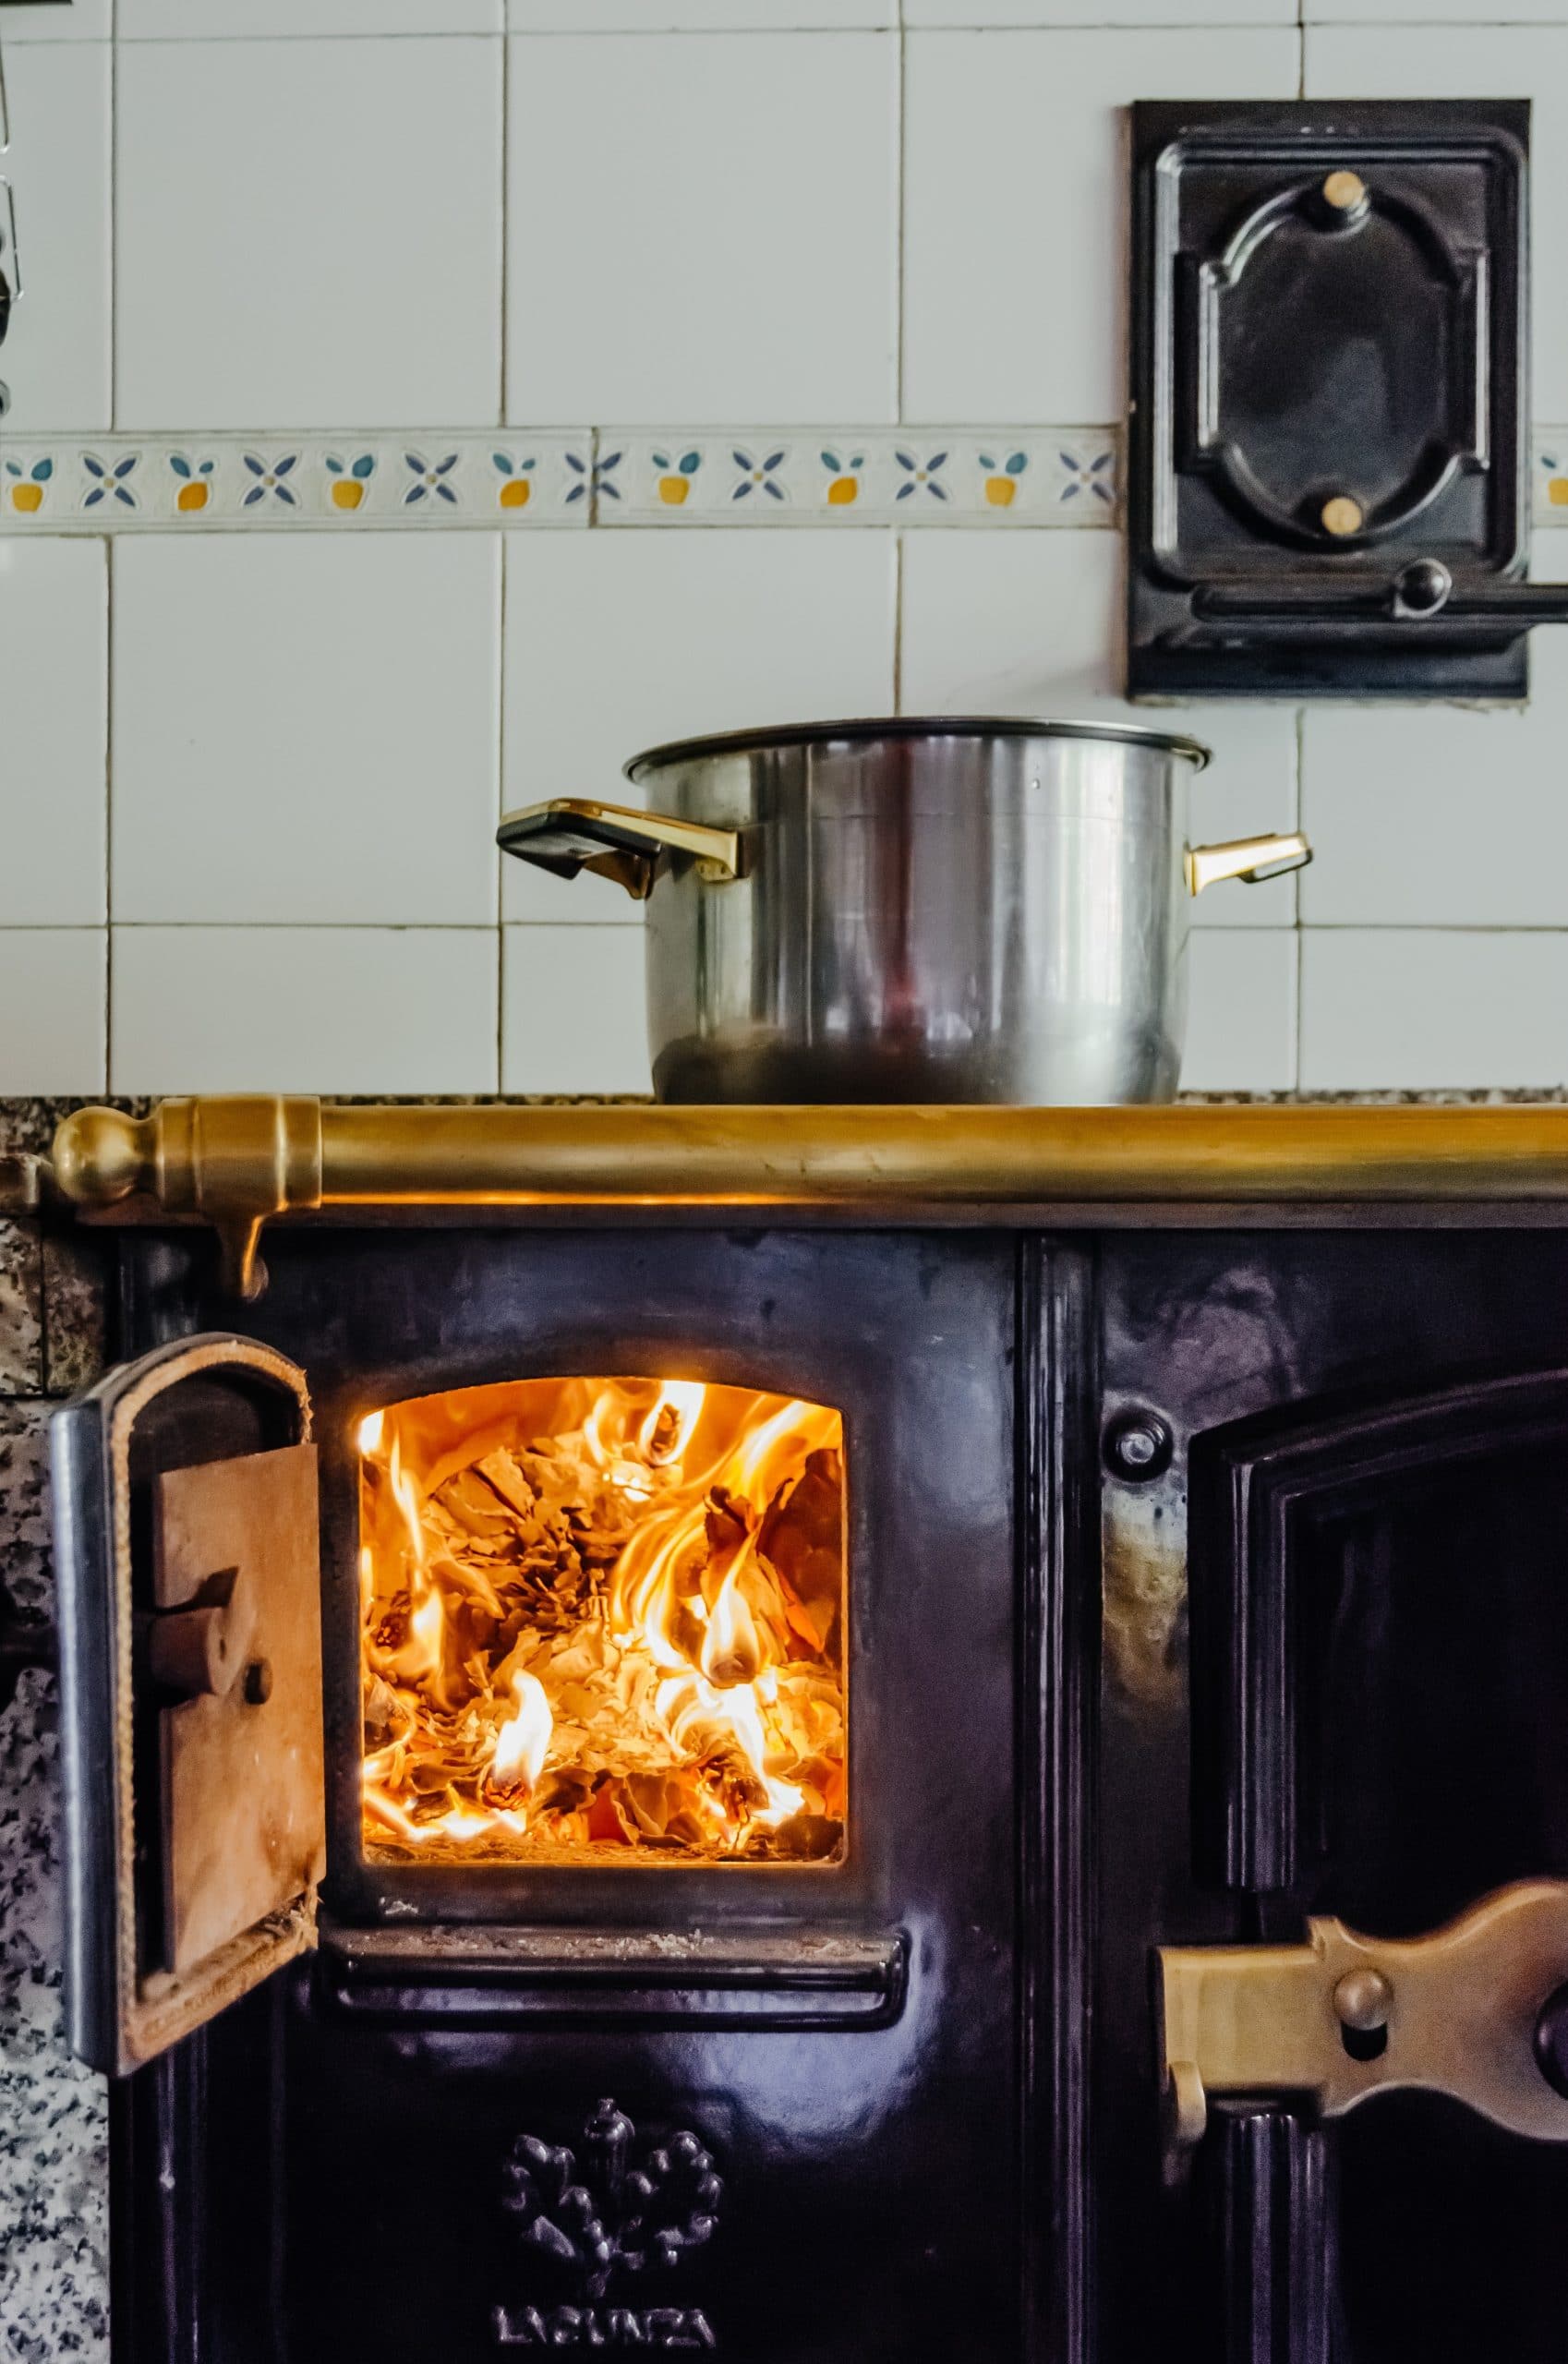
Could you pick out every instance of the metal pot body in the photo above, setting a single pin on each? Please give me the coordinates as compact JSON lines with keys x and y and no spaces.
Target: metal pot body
{"x":941,"y":915}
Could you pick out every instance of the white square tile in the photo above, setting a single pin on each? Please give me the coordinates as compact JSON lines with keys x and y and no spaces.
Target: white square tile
{"x":616,"y":641}
{"x":1432,"y":14}
{"x":1430,"y":1009}
{"x":38,"y":21}
{"x":52,"y":1001}
{"x":1014,"y":211}
{"x":305,"y":729}
{"x":1030,"y":622}
{"x":308,"y":233}
{"x":304,"y":1009}
{"x":214,"y":19}
{"x":697,"y":15}
{"x":1373,"y":61}
{"x":1438,"y":818}
{"x":702,"y":227}
{"x":1241,"y":1011}
{"x":1196,"y":16}
{"x":53,"y":695}
{"x":55,"y":357}
{"x":573,"y":1010}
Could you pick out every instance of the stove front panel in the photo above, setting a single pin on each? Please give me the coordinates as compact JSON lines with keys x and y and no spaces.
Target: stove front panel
{"x":463,"y":2167}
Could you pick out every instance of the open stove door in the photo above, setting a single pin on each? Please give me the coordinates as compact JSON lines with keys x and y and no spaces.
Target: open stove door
{"x":1367,"y":2099}
{"x":191,"y":1683}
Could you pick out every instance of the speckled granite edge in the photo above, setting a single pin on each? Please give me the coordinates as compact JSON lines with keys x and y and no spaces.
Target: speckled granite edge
{"x":54,"y":2113}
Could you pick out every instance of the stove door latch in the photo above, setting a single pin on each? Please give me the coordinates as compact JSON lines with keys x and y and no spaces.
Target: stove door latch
{"x":1478,"y":2010}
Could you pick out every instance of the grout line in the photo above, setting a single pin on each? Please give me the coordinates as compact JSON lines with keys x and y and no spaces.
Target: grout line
{"x":898,"y":623}
{"x":114,"y":236}
{"x":900,"y":193}
{"x":109,"y":563}
{"x":505,"y":563}
{"x":505,"y":389}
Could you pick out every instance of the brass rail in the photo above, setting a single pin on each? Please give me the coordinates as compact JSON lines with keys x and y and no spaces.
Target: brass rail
{"x":238,"y":1160}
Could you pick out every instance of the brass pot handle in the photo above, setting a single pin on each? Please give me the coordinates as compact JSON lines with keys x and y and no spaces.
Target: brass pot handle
{"x":569,"y":835}
{"x":1249,"y":859}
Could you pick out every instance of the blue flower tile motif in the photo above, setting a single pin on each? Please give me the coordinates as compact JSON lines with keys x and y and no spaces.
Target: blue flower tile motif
{"x":429,"y":478}
{"x":108,"y":482}
{"x":605,"y":486}
{"x":921,"y":475}
{"x":1096,"y":477}
{"x":759,"y":476}
{"x":271,"y":485}
{"x":578,"y":490}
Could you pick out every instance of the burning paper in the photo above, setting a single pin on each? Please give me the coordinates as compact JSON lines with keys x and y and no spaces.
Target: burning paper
{"x":604,"y":1618}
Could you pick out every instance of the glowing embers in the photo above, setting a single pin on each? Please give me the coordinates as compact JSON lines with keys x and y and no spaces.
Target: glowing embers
{"x":604,"y":1618}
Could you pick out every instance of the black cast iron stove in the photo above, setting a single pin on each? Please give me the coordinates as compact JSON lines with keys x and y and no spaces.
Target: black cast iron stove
{"x":1205,"y":1523}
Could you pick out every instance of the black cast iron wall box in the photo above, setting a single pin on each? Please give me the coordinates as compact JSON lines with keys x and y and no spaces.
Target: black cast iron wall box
{"x":1328,"y":444}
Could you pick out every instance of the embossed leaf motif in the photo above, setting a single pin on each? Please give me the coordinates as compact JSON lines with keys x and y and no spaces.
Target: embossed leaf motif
{"x":611,"y":2215}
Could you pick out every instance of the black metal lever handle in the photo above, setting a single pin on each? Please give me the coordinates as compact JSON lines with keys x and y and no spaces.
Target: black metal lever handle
{"x":25,"y":1640}
{"x":1421,"y":596}
{"x":5,"y":305}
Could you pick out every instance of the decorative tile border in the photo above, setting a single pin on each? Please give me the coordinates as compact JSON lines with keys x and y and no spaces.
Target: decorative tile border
{"x":186,"y":483}
{"x":609,"y":476}
{"x":850,"y":475}
{"x":574,"y":477}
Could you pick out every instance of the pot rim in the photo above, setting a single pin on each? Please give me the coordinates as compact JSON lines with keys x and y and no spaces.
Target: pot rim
{"x":863,"y":731}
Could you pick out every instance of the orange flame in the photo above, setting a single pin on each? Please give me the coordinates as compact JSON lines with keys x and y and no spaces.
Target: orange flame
{"x":585,"y":1622}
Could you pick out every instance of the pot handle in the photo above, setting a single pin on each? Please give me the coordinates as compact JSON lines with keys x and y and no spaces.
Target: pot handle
{"x":1249,"y":859}
{"x":569,"y":835}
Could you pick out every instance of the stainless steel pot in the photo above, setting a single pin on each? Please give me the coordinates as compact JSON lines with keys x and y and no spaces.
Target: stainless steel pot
{"x":940,"y":911}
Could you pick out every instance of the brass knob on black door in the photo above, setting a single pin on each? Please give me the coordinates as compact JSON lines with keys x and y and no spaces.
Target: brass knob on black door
{"x":1552,"y":2041}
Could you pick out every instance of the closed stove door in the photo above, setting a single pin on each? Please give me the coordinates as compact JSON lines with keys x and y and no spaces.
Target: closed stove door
{"x":189,"y":1593}
{"x":1365,"y":2111}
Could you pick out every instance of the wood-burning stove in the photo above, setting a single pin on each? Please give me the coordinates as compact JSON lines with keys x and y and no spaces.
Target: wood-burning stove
{"x":1201,"y":1605}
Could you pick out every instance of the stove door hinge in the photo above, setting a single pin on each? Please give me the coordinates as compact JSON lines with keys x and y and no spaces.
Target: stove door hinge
{"x":1478,"y":2010}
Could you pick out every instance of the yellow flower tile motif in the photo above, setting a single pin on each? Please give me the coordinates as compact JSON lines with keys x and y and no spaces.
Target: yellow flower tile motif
{"x":349,"y":479}
{"x":27,"y":485}
{"x":516,"y":480}
{"x":674,"y":480}
{"x":843,"y":479}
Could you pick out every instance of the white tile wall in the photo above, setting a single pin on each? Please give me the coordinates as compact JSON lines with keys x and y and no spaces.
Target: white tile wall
{"x":1192,"y":14}
{"x":1428,"y":1008}
{"x":721,"y":213}
{"x":48,"y":21}
{"x":213,"y":19}
{"x":53,"y":625}
{"x":306,"y":729}
{"x":697,"y":15}
{"x":52,"y":1012}
{"x":1014,"y":210}
{"x":308,"y":233}
{"x":711,"y":227}
{"x":616,"y":641}
{"x":1241,"y":1024}
{"x":55,"y":356}
{"x":303,"y":1009}
{"x":574,"y":1012}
